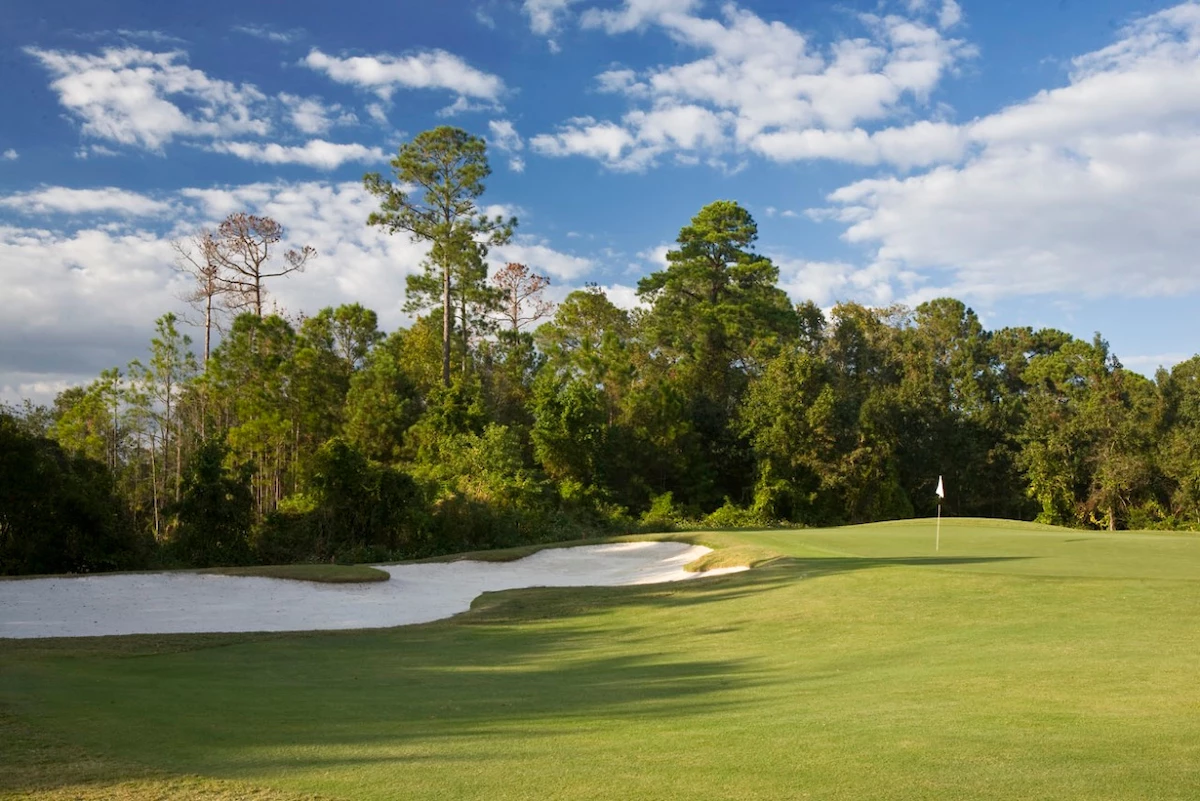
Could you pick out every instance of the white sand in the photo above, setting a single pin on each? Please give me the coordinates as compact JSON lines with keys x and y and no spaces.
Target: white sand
{"x":161,"y":603}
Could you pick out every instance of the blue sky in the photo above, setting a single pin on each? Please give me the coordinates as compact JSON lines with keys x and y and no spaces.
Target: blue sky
{"x":1039,"y":160}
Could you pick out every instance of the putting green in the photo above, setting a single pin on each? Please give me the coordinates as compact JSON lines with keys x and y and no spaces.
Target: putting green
{"x":1017,"y":662}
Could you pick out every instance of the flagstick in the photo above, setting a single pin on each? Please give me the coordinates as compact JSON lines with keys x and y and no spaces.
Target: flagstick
{"x":938,"y":542}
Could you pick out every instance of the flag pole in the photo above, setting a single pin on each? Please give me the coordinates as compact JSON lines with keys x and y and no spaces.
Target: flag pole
{"x":941,"y":496}
{"x":938,"y":542}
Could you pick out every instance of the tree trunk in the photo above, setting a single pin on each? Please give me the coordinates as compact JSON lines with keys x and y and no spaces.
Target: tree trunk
{"x":207,"y":324}
{"x":446,"y":324}
{"x":154,"y":489}
{"x":462,"y":301}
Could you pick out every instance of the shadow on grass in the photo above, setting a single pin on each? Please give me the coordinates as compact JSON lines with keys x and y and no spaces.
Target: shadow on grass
{"x":544,"y":663}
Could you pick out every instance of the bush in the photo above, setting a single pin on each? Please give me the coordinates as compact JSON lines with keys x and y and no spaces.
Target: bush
{"x":731,"y":516}
{"x":59,"y":512}
{"x":214,"y":513}
{"x":663,"y":514}
{"x":353,"y":510}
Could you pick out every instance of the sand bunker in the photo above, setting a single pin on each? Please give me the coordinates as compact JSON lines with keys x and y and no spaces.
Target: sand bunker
{"x":162,"y":603}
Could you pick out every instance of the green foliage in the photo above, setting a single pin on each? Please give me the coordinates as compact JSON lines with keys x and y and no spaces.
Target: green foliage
{"x":731,"y":516}
{"x":716,"y":399}
{"x":351,"y":509}
{"x":664,"y":514}
{"x":59,"y":512}
{"x":448,"y":167}
{"x":214,"y":515}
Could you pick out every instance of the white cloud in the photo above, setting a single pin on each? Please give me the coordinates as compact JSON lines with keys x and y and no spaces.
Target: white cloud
{"x":546,"y":16}
{"x":429,"y":69}
{"x":311,"y":116}
{"x":270,"y":34}
{"x":87,"y":152}
{"x":128,"y":96}
{"x":826,"y":283}
{"x":485,"y":19}
{"x":504,"y":135}
{"x":621,"y":81}
{"x":623,"y":296}
{"x":585,"y":136}
{"x":541,"y":258}
{"x":315,"y":153}
{"x":10,"y":155}
{"x":763,"y":85}
{"x":657,"y":255}
{"x":64,"y":200}
{"x":634,"y":14}
{"x":920,"y":144}
{"x":1091,"y":189}
{"x":157,"y":37}
{"x":378,"y":113}
{"x":80,"y":300}
{"x":640,"y":139}
{"x":950,"y":15}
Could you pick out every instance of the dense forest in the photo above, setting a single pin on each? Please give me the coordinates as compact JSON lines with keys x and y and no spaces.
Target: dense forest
{"x":498,"y":418}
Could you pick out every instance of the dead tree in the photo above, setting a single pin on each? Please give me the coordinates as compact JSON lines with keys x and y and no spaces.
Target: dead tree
{"x":521,"y":291}
{"x":241,"y":249}
{"x":192,"y":258}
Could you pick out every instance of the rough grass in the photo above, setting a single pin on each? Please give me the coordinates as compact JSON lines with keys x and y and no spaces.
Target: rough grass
{"x":1017,"y":662}
{"x":322,"y":573}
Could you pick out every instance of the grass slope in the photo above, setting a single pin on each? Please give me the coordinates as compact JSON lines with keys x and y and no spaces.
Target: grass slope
{"x":322,"y":574}
{"x":1017,"y":662}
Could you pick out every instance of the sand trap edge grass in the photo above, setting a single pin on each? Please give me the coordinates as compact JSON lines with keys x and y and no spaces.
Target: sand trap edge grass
{"x":319,"y":573}
{"x":322,"y":574}
{"x":725,"y":552}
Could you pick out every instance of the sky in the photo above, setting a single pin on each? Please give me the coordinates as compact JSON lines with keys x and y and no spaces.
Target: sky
{"x":1037,"y":159}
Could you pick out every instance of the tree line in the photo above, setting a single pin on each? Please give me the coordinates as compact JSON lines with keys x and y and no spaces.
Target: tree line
{"x":498,"y":418}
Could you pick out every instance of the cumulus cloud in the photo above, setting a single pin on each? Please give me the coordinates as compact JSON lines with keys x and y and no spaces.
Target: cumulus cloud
{"x":311,"y":115}
{"x":541,"y":258}
{"x":642,"y":136}
{"x":634,"y":14}
{"x":917,"y":145}
{"x":135,"y":97}
{"x":84,"y":298}
{"x":315,"y":153}
{"x":1092,"y":188}
{"x":64,"y":200}
{"x":764,"y":86}
{"x":429,"y":69}
{"x":546,"y":16}
{"x":10,"y":155}
{"x":503,"y":135}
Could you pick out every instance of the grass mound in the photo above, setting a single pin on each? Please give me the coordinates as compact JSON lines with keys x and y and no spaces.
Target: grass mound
{"x":322,"y":574}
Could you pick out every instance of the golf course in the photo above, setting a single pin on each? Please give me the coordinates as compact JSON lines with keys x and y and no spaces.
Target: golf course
{"x":1017,"y":661}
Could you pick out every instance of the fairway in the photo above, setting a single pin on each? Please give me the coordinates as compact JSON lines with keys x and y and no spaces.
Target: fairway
{"x":1019,"y":661}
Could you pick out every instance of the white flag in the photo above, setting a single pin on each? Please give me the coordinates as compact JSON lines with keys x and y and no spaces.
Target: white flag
{"x":941,"y":493}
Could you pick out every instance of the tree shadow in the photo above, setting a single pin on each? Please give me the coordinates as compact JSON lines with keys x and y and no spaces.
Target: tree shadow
{"x":539,"y":661}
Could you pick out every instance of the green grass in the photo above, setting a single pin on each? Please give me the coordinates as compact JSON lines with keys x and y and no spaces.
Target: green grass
{"x":322,"y":574}
{"x":1018,"y":662}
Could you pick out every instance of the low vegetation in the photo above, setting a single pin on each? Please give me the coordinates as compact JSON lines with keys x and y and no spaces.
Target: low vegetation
{"x":322,"y":574}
